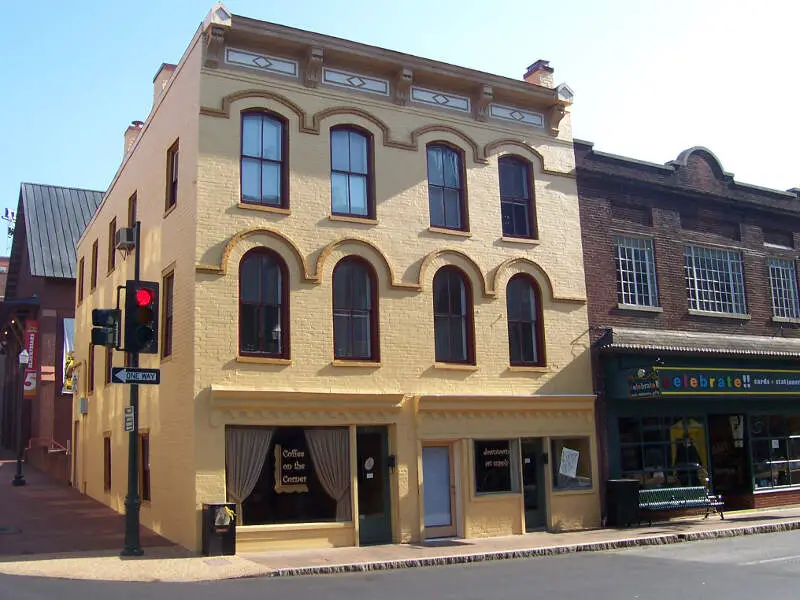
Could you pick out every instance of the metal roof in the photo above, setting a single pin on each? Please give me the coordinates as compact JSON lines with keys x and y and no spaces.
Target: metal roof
{"x":626,"y":340}
{"x":55,"y":218}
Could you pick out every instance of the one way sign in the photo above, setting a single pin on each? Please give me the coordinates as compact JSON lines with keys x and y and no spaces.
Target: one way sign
{"x":135,"y":375}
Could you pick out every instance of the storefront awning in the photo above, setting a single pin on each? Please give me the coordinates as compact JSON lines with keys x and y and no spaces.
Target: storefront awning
{"x":618,"y":339}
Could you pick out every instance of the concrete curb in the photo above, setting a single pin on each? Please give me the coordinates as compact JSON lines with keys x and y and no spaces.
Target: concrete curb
{"x":460,"y":559}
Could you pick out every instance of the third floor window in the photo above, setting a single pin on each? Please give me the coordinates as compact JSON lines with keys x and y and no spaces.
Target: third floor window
{"x":636,"y":271}
{"x":351,"y":185}
{"x":516,"y":198}
{"x":446,"y":196}
{"x":263,"y":169}
{"x":783,"y":281}
{"x":714,"y":280}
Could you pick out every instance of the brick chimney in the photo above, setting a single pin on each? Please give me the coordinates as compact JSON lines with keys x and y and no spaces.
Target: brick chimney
{"x":540,"y":73}
{"x":161,"y":79}
{"x":131,"y":133}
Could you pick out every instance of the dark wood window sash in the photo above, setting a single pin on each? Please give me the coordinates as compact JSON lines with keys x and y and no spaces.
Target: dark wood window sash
{"x":522,"y":325}
{"x":173,"y":157}
{"x":283,"y":163}
{"x":528,"y":201}
{"x":462,"y":189}
{"x":169,"y":303}
{"x":466,"y":320}
{"x":283,"y":306}
{"x":371,"y":312}
{"x":94,"y":266}
{"x":112,"y":252}
{"x":370,"y":185}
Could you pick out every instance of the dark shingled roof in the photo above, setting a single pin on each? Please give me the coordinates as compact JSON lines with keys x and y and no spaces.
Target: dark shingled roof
{"x":620,"y":339}
{"x":55,"y":218}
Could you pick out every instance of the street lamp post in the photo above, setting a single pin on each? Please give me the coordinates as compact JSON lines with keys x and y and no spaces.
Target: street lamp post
{"x":19,"y":478}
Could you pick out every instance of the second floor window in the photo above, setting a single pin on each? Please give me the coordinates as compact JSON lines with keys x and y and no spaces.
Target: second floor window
{"x":80,"y":280}
{"x":112,"y":250}
{"x":263,"y":168}
{"x":355,"y":323}
{"x":93,"y":283}
{"x":263,"y":305}
{"x":172,"y":176}
{"x":452,"y":317}
{"x":516,"y":198}
{"x":525,"y":328}
{"x":636,"y":271}
{"x":714,"y":280}
{"x":783,"y":281}
{"x":446,"y":197}
{"x":351,"y":188}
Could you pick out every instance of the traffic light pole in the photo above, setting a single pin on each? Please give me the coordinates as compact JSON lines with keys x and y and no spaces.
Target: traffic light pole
{"x":132,"y":546}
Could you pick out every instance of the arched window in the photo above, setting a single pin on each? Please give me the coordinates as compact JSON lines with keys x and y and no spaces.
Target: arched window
{"x":525,"y":327}
{"x":351,"y":173}
{"x":516,"y":198}
{"x":263,"y":305}
{"x":263,"y":167}
{"x":452,"y":317}
{"x":447,"y":199}
{"x":355,"y":314}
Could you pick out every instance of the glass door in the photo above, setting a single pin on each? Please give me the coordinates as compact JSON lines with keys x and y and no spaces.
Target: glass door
{"x":730,"y":473}
{"x":438,"y":491}
{"x":374,"y":505}
{"x":533,"y":483}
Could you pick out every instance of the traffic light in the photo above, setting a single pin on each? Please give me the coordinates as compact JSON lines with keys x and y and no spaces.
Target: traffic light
{"x":141,"y":317}
{"x":106,"y":327}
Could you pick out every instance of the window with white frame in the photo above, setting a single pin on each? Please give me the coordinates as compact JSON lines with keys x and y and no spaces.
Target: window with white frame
{"x":714,"y":280}
{"x":783,"y":280}
{"x":636,"y":271}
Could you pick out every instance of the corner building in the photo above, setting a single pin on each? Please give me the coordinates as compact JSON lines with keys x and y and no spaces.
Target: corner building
{"x":374,"y":322}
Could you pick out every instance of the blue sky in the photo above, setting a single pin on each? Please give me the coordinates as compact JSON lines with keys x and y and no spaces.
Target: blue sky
{"x":650,"y":78}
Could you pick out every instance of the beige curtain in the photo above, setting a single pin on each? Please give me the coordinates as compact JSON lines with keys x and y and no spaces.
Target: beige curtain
{"x":330,"y":451}
{"x":245,"y":453}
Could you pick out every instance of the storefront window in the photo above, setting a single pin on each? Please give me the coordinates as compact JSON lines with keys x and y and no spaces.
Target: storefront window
{"x":288,"y":474}
{"x":775,"y":448}
{"x":572,"y":464}
{"x":663,"y":451}
{"x":496,"y":466}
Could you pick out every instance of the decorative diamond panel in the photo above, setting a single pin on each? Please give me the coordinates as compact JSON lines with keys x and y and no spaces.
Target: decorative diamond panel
{"x":509,"y":113}
{"x":262,"y":62}
{"x":441,"y":99}
{"x":355,"y":81}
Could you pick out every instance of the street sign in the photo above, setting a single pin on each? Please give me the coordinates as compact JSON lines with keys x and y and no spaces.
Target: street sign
{"x":127,"y":420}
{"x":135,"y":375}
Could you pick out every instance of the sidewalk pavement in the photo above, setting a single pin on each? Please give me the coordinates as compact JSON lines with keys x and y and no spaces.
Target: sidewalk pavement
{"x":82,"y":539}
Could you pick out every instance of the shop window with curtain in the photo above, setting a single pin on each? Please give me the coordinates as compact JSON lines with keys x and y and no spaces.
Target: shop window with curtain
{"x":775,"y":450}
{"x":496,"y":466}
{"x":663,"y":451}
{"x":572,"y":463}
{"x":288,"y":475}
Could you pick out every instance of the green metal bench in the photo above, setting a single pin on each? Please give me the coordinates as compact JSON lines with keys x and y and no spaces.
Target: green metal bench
{"x":677,"y":498}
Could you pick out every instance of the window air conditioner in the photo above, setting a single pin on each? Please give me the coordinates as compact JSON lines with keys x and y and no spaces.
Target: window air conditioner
{"x":123,"y":239}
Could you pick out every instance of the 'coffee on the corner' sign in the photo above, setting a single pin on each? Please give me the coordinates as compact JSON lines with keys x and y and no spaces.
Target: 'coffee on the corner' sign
{"x":678,"y":381}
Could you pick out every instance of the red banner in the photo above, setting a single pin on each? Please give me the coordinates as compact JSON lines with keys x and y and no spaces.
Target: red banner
{"x":32,"y":346}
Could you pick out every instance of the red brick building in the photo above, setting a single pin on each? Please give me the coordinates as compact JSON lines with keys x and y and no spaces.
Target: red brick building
{"x":695,"y":321}
{"x":38,"y":312}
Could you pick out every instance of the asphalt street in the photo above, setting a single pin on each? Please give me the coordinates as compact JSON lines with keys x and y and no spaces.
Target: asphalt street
{"x":760,"y":566}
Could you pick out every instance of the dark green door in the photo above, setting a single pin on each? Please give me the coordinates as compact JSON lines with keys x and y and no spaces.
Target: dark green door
{"x":374,"y":507}
{"x":533,"y":483}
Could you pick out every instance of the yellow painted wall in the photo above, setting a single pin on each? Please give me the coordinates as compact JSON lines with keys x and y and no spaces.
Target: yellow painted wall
{"x":168,"y":240}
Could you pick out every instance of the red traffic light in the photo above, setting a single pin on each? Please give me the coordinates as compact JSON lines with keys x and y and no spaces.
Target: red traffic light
{"x":144,"y":297}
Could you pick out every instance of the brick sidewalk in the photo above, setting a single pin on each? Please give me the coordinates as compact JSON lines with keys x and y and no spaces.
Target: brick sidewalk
{"x":45,"y":517}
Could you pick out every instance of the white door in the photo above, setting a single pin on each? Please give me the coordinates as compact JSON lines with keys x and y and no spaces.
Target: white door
{"x":438,"y":491}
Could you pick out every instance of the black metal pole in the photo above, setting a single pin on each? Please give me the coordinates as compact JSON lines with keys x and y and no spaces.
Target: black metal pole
{"x":19,"y":478}
{"x":132,"y":546}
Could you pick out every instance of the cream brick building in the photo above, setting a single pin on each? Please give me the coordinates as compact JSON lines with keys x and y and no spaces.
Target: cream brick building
{"x":419,"y":418}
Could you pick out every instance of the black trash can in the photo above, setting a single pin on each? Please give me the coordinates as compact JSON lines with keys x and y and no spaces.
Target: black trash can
{"x":219,"y":529}
{"x":622,"y":502}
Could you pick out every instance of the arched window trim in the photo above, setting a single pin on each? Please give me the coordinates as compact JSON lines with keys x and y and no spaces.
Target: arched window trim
{"x":285,"y":308}
{"x":463,"y":204}
{"x":349,"y":127}
{"x":284,"y":168}
{"x":469,"y":316}
{"x":374,"y":322}
{"x":538,"y":334}
{"x":528,"y":166}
